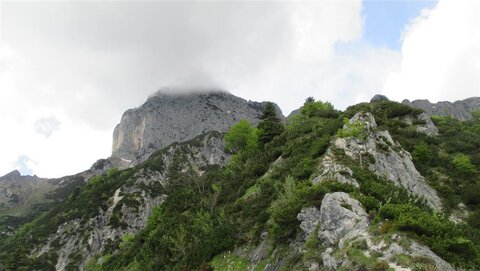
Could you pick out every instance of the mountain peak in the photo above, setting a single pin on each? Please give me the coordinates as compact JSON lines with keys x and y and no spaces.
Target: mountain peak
{"x":167,"y":117}
{"x":12,"y":174}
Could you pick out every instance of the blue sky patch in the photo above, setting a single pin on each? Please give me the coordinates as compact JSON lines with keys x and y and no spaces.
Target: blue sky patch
{"x":385,"y":20}
{"x":22,"y":165}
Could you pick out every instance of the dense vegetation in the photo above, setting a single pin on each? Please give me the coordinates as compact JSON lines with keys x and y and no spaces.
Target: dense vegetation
{"x":266,"y":184}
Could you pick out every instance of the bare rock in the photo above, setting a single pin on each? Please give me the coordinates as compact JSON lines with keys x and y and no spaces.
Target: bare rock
{"x":459,"y":109}
{"x":332,"y":170}
{"x":309,"y":217}
{"x":389,"y":159}
{"x":423,"y":124}
{"x":329,"y":261}
{"x":339,"y":215}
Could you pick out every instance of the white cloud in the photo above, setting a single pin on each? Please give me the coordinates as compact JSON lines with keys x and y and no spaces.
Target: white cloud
{"x":46,"y":126}
{"x":86,"y":62}
{"x":440,"y":54}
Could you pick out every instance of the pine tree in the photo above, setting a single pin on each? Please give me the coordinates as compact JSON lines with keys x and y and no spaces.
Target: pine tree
{"x":270,"y":125}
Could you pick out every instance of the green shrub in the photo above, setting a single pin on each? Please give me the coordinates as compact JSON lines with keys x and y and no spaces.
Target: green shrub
{"x":463,"y":164}
{"x":241,"y":136}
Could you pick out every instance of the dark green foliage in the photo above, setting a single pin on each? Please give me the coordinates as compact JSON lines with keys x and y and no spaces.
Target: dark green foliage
{"x":474,"y":219}
{"x":306,"y":138}
{"x":270,"y":125}
{"x":421,"y":152}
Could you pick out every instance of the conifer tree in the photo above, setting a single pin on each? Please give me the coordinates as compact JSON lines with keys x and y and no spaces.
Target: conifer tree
{"x":270,"y":125}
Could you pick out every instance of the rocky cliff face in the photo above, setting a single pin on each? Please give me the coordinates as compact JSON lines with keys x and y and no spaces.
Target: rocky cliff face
{"x":459,"y":109}
{"x":167,"y":118}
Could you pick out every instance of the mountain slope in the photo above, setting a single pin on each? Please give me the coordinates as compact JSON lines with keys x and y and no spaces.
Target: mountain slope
{"x":95,"y":217}
{"x":378,"y":186}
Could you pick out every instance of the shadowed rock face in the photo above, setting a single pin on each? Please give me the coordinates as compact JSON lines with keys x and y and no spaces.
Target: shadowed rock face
{"x":167,"y":118}
{"x":459,"y":109}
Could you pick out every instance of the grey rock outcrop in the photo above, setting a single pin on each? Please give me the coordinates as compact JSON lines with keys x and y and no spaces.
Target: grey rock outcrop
{"x":422,"y":123}
{"x":429,"y":127}
{"x":389,"y":159}
{"x":309,"y":218}
{"x":340,"y":215}
{"x":342,"y":221}
{"x":332,"y":170}
{"x":167,"y":118}
{"x":459,"y":109}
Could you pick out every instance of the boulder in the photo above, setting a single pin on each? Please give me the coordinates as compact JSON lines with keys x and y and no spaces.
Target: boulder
{"x":339,"y":215}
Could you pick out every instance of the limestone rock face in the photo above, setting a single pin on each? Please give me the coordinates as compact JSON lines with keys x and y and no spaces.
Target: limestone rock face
{"x":331,"y":170}
{"x":423,"y":124}
{"x":429,"y":127}
{"x":309,"y":218}
{"x":390,"y":160}
{"x":339,"y":216}
{"x":167,"y":118}
{"x":459,"y":109}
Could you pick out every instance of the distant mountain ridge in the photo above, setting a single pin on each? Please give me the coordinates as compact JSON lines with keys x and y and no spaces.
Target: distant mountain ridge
{"x":459,"y":109}
{"x":166,"y":118}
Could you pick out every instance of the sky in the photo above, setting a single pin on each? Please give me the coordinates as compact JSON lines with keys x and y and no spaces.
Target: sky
{"x":69,"y":69}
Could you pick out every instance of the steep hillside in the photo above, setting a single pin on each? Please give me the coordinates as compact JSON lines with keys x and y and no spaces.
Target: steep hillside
{"x":109,"y":207}
{"x":24,"y":197}
{"x":380,"y":186}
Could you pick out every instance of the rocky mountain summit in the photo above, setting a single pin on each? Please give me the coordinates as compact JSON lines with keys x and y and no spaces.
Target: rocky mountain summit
{"x":459,"y":109}
{"x":167,"y":118}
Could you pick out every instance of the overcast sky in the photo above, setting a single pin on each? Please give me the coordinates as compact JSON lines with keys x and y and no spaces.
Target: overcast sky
{"x":68,"y":70}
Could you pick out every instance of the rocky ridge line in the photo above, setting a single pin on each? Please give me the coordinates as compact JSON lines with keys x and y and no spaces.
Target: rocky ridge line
{"x":459,"y":109}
